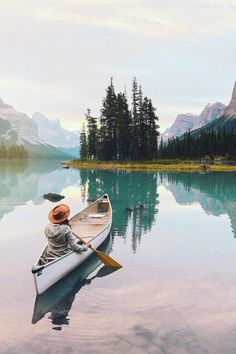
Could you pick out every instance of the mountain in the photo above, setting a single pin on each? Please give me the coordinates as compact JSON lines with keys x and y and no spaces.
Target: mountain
{"x":18,"y":128}
{"x":230,"y":110}
{"x":182,"y":123}
{"x":51,"y":132}
{"x":189,"y":121}
{"x":227,"y":119}
{"x":24,"y":126}
{"x":211,"y":112}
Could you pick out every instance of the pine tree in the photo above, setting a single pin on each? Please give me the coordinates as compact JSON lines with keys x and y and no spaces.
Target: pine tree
{"x":83,"y":143}
{"x":92,"y":135}
{"x":108,"y":123}
{"x":152,"y":131}
{"x":135,"y":127}
{"x":208,"y":143}
{"x":123,"y":128}
{"x":161,"y":150}
{"x":122,"y":134}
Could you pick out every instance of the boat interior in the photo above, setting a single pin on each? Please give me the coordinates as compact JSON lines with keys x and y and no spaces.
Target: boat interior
{"x":92,"y":220}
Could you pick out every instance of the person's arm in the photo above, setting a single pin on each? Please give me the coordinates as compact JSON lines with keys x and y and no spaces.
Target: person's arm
{"x":72,"y":241}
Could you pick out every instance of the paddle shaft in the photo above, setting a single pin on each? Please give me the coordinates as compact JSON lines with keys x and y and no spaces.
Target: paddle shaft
{"x":84,"y":242}
{"x":107,"y":260}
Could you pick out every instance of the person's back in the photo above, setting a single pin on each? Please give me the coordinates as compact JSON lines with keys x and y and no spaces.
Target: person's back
{"x":59,"y":235}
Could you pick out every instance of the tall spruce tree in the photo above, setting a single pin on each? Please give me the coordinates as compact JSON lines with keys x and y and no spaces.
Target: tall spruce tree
{"x":83,"y":143}
{"x":135,"y":122}
{"x":92,"y":135}
{"x":123,"y":127}
{"x":108,"y":124}
{"x":144,"y":129}
{"x":152,"y":131}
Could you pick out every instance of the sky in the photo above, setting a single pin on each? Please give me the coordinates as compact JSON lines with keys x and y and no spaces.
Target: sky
{"x":57,"y":56}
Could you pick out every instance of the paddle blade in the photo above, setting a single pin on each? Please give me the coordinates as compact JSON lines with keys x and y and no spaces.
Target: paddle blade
{"x":107,"y":260}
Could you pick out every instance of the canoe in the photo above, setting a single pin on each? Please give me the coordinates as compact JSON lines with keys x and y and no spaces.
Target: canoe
{"x":58,"y":299}
{"x":93,"y":224}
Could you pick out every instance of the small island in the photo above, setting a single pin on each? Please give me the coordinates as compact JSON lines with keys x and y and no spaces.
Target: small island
{"x":126,"y":137}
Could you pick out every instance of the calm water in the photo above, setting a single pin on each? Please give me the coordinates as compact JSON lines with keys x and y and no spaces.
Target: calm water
{"x":174,"y":233}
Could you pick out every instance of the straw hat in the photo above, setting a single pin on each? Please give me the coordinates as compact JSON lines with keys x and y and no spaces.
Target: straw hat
{"x":59,"y":214}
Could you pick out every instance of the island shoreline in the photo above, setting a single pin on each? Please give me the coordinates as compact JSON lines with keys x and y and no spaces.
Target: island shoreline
{"x":148,"y":166}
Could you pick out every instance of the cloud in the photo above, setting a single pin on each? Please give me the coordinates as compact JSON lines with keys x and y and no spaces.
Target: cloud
{"x":57,"y":56}
{"x":189,"y":21}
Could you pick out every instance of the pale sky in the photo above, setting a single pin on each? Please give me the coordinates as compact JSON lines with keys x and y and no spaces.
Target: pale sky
{"x":57,"y":56}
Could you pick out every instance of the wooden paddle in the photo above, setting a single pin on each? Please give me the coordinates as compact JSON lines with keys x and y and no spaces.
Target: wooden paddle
{"x":107,"y":260}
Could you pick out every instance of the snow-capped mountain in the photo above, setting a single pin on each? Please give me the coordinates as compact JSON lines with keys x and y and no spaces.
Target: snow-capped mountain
{"x":51,"y":132}
{"x":184,"y":122}
{"x":18,"y":128}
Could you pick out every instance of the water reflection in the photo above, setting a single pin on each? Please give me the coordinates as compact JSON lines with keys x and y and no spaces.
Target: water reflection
{"x":58,"y":299}
{"x":23,"y":181}
{"x":215,"y":191}
{"x":133,"y":196}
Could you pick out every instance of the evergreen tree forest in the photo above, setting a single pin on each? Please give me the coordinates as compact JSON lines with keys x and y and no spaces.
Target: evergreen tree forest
{"x":208,"y":143}
{"x":13,"y":152}
{"x":123,"y":131}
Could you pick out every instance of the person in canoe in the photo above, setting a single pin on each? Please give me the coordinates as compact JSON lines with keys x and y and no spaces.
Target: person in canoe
{"x":59,"y":235}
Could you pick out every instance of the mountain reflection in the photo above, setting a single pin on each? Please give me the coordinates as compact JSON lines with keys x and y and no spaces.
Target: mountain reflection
{"x":23,"y":181}
{"x":133,"y":196}
{"x":215,"y":191}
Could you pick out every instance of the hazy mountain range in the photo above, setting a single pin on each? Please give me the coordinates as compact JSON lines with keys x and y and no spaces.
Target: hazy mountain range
{"x":42,"y":137}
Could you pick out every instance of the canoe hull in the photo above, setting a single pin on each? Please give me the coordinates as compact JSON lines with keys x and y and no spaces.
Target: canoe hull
{"x":56,"y":270}
{"x":67,"y":287}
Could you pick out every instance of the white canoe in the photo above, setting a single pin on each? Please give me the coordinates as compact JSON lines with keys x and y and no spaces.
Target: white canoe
{"x":93,"y":224}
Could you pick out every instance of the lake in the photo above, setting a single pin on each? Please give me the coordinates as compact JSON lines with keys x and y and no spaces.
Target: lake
{"x":174,"y":234}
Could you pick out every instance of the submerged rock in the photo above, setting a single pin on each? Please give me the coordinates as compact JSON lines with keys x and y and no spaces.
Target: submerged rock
{"x":53,"y":197}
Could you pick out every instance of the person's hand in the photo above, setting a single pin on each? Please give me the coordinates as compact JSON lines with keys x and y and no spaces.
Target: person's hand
{"x":86,"y":246}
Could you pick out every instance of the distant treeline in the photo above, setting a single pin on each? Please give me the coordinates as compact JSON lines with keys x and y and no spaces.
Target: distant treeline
{"x":121,"y":132}
{"x":13,"y":152}
{"x":208,"y":143}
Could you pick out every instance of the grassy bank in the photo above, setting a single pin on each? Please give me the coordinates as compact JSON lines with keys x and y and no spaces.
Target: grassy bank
{"x":157,"y":165}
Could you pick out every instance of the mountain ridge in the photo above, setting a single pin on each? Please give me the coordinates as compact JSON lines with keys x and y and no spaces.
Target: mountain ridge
{"x":189,"y":121}
{"x":226,"y":121}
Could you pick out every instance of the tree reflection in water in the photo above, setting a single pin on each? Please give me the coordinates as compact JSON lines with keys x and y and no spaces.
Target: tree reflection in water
{"x":133,"y":196}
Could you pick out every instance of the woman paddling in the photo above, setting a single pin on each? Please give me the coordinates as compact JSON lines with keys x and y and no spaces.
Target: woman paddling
{"x":59,"y":235}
